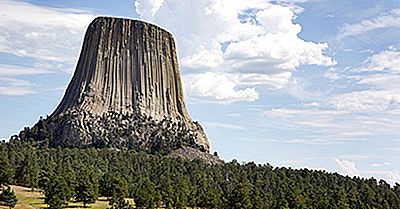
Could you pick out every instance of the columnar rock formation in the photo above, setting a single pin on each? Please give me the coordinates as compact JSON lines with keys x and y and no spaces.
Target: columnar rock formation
{"x":127,"y":80}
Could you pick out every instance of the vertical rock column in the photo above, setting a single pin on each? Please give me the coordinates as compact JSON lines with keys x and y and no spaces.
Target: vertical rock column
{"x":128,"y":67}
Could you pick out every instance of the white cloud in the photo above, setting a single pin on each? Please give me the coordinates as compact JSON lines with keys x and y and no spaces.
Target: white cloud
{"x":245,"y":43}
{"x":381,"y":164}
{"x":347,"y":167}
{"x":43,"y":33}
{"x":13,"y":70}
{"x":378,"y":79}
{"x":387,"y":60}
{"x":218,"y":88}
{"x":150,"y":7}
{"x":312,"y":104}
{"x":15,"y":87}
{"x":15,"y":91}
{"x":218,"y":125}
{"x":329,"y":126}
{"x":391,"y":176}
{"x":390,"y":19}
{"x":367,"y":101}
{"x":51,"y":36}
{"x":369,"y":108}
{"x":12,"y":86}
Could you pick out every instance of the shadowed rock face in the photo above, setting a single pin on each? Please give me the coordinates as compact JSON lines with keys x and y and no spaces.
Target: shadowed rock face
{"x":127,"y":74}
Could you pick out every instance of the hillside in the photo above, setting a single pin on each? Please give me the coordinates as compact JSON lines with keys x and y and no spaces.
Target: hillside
{"x":158,"y":180}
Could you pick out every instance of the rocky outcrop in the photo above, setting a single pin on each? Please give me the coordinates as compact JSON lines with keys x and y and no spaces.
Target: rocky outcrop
{"x":127,"y":80}
{"x":188,"y":153}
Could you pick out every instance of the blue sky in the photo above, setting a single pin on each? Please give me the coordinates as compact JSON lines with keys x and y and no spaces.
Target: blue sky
{"x":304,"y":83}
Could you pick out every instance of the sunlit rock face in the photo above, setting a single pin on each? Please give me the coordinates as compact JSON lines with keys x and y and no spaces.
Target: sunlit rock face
{"x":126,"y":91}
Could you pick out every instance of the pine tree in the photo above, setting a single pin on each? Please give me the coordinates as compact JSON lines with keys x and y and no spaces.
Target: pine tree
{"x":241,"y":195}
{"x":28,"y":171}
{"x":6,"y":171}
{"x":86,"y":189}
{"x":295,"y":199}
{"x":118,"y":194}
{"x":8,"y":197}
{"x":181,"y":193}
{"x":117,"y":201}
{"x":145,"y":195}
{"x":106,"y":184}
{"x":340,"y":198}
{"x":56,"y":192}
{"x":256,"y":198}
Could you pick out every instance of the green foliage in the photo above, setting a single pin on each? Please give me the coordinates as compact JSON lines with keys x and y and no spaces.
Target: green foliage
{"x":241,"y":195}
{"x":181,"y":194}
{"x":6,"y":171}
{"x":8,"y":197}
{"x":117,"y":201}
{"x":144,"y":197}
{"x":118,"y":189}
{"x":56,"y":192}
{"x":158,"y":181}
{"x":87,"y":188}
{"x":28,"y":170}
{"x":107,"y":184}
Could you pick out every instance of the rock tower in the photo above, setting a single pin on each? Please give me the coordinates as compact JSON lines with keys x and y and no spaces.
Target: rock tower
{"x":126,"y":91}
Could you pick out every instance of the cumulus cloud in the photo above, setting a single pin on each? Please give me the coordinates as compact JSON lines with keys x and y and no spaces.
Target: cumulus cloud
{"x":244,"y":43}
{"x":347,"y":167}
{"x":43,"y":33}
{"x":218,"y":87}
{"x":390,"y":19}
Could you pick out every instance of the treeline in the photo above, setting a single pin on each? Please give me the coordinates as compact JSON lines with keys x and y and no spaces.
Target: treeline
{"x":153,"y":180}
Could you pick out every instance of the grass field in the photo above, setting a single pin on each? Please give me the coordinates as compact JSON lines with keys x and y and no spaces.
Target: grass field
{"x":35,"y":200}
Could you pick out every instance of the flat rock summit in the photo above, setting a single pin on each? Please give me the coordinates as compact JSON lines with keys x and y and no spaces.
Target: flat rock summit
{"x":126,"y":92}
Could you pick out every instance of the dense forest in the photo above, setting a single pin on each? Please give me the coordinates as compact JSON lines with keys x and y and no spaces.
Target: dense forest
{"x":159,"y":181}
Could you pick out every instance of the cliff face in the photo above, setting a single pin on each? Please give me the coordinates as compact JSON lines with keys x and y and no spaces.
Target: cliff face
{"x":127,"y":74}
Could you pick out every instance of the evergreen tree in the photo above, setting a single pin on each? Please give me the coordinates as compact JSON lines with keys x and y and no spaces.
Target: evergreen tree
{"x":28,"y":171}
{"x":295,"y":199}
{"x":6,"y":171}
{"x":258,"y":202}
{"x":154,"y":179}
{"x":145,"y":195}
{"x":241,"y":195}
{"x":340,"y":199}
{"x":119,"y":192}
{"x":86,"y":189}
{"x":8,"y":197}
{"x":200,"y":195}
{"x":118,"y":201}
{"x":56,"y":192}
{"x":106,"y":184}
{"x":181,"y":193}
